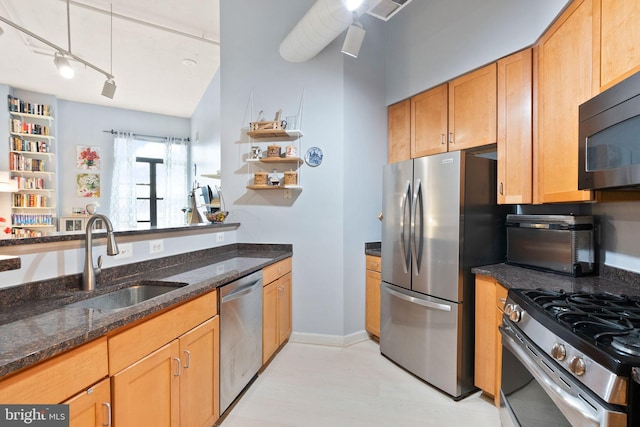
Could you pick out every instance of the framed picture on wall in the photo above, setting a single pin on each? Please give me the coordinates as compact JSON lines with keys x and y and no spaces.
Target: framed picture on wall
{"x":88,"y":184}
{"x":87,"y":158}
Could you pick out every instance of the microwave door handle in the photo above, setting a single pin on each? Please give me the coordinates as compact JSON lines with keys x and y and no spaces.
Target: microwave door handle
{"x":571,"y":406}
{"x":416,"y":216}
{"x":406,"y":255}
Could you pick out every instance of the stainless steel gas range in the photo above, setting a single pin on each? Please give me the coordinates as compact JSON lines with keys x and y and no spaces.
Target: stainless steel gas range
{"x":570,"y":359}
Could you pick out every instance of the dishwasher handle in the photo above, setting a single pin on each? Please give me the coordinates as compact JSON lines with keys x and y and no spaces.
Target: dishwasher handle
{"x":243,"y":290}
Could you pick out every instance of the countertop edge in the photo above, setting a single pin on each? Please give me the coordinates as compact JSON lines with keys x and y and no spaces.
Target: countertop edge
{"x":41,"y":349}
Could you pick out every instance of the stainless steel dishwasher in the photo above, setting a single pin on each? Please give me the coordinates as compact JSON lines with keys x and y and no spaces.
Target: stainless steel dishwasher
{"x":240,"y":336}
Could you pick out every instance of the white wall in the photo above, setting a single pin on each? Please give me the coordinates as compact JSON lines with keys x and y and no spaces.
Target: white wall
{"x":205,"y":133}
{"x":314,"y":219}
{"x":430,"y":42}
{"x":83,"y":124}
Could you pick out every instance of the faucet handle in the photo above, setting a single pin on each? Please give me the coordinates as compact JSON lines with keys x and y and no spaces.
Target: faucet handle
{"x":99,"y":262}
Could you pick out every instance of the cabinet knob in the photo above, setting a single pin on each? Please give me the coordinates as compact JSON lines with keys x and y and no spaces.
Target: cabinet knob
{"x":501,"y":188}
{"x":442,"y":139}
{"x":451,"y":140}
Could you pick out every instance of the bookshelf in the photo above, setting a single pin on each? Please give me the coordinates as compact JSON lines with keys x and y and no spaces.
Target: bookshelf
{"x":32,"y":165}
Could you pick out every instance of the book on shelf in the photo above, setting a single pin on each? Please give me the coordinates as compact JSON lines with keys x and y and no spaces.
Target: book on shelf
{"x":32,"y":219}
{"x":18,"y":126}
{"x":19,"y":106}
{"x":29,"y":200}
{"x":21,"y":144}
{"x":18,"y":162}
{"x":31,"y":183}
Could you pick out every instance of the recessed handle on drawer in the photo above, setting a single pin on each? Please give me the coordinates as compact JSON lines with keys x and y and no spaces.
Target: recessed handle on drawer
{"x":239,"y":292}
{"x":108,"y":407}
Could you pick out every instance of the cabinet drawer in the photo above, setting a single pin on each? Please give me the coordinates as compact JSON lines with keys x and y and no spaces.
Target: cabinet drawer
{"x":58,"y":378}
{"x":373,"y":263}
{"x":138,"y":341}
{"x":272,"y":272}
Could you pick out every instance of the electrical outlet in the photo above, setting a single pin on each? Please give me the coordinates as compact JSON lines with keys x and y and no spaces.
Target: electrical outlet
{"x":156,"y":246}
{"x":126,"y":251}
{"x":219,"y":237}
{"x":220,"y":269}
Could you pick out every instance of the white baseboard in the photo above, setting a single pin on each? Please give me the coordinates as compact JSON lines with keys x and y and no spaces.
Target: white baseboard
{"x":332,"y":340}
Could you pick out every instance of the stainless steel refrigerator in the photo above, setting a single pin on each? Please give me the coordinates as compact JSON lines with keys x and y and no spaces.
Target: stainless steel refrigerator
{"x":440,"y":219}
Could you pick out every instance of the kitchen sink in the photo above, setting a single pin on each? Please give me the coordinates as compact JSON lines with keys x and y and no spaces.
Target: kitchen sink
{"x":126,"y":297}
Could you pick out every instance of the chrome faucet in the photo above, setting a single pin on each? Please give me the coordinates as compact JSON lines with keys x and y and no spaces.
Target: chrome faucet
{"x":90,"y":271}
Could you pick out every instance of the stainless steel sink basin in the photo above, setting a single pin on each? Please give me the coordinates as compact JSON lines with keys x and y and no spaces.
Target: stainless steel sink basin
{"x":126,"y":297}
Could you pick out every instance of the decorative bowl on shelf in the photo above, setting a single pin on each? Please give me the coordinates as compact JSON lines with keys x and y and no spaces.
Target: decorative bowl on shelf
{"x":217,"y":216}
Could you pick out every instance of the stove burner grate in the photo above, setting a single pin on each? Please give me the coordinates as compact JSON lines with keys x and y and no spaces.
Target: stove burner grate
{"x":628,"y":344}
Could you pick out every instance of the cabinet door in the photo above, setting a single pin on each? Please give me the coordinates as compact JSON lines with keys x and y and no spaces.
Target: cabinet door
{"x":515,"y":151}
{"x":372,"y":303}
{"x":399,"y":137}
{"x":429,"y":122}
{"x":284,"y":308}
{"x":501,"y":297}
{"x":199,"y":381}
{"x":472,"y":109}
{"x":92,"y":407}
{"x":616,"y":41}
{"x":147,"y":392}
{"x":269,"y":320}
{"x":485,"y":347}
{"x":564,"y":82}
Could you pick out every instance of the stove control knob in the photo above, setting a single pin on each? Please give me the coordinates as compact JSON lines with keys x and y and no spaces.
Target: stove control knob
{"x":508,"y":308}
{"x":558,"y":352}
{"x":577,"y":366}
{"x":515,"y":314}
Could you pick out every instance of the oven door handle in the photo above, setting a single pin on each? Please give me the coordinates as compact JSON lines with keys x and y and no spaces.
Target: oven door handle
{"x":571,"y":406}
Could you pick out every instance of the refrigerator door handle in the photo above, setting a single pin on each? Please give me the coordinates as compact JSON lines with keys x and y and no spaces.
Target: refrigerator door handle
{"x":406,"y":255}
{"x":416,"y":217}
{"x":424,"y":303}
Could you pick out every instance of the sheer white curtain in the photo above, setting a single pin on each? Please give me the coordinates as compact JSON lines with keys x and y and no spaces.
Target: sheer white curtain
{"x":123,"y":213}
{"x":175,"y":184}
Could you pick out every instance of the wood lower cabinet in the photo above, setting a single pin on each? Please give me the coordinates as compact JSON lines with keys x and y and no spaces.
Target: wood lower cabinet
{"x":564,"y":81}
{"x":147,"y":393}
{"x":276,"y":307}
{"x":276,"y":315}
{"x":372,"y":300}
{"x":515,"y":133}
{"x":174,"y":378}
{"x":200,"y":375}
{"x":472,"y":109}
{"x":490,"y":296}
{"x":58,"y":378}
{"x":92,"y":407}
{"x":399,"y":131}
{"x":429,"y":117}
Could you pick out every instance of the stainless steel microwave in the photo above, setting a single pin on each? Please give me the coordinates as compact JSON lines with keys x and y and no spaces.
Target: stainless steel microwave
{"x":609,"y":132}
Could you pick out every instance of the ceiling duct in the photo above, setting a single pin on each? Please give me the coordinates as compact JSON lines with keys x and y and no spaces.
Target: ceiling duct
{"x":385,"y":9}
{"x":325,"y":21}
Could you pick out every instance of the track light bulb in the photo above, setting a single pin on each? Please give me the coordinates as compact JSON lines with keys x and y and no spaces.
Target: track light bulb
{"x":64,"y":68}
{"x":109,"y":88}
{"x":352,"y":4}
{"x":353,"y":40}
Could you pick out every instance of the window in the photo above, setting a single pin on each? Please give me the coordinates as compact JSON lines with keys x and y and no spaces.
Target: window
{"x":149,"y":186}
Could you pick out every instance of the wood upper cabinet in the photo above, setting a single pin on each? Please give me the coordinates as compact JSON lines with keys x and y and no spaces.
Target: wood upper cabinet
{"x":616,"y":44}
{"x":515,"y":150}
{"x":564,"y":81}
{"x":399,"y":126}
{"x":429,"y":115}
{"x":372,"y":300}
{"x":92,"y":407}
{"x":490,"y":297}
{"x":472,"y":109}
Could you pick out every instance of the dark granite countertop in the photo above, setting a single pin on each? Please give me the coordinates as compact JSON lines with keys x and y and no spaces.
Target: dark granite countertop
{"x":9,"y":263}
{"x":610,"y":280}
{"x":373,"y":248}
{"x":37,"y":322}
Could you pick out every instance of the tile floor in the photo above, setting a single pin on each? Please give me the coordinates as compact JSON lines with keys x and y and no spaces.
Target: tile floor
{"x":310,"y":385}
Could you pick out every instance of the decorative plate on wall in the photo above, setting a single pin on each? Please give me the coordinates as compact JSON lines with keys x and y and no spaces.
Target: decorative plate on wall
{"x":313,"y":156}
